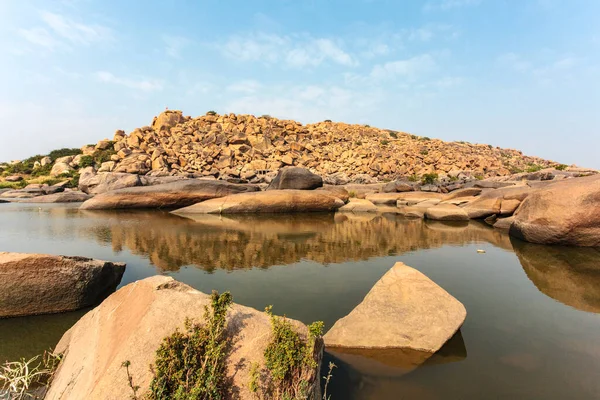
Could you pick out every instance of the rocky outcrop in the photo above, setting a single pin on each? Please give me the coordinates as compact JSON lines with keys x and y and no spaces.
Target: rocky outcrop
{"x":566,"y":213}
{"x":272,"y":201}
{"x":398,"y":186}
{"x":245,"y":146}
{"x":491,"y":202}
{"x":295,"y":178}
{"x":33,"y":284}
{"x":404,"y":309}
{"x":96,"y":183}
{"x":62,"y":197}
{"x":358,"y":206}
{"x":181,"y":193}
{"x":131,"y":324}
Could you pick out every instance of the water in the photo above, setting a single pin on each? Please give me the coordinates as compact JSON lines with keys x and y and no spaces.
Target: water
{"x":533,"y":323}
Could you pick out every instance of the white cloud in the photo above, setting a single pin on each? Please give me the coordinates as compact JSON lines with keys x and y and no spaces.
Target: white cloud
{"x":445,"y":5}
{"x":174,"y":45}
{"x":515,"y":62}
{"x":245,"y":86}
{"x":294,"y":51}
{"x":61,"y":32}
{"x":145,"y":85}
{"x":408,"y":68}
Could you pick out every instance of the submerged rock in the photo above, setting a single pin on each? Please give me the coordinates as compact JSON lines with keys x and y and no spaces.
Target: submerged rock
{"x":131,"y":324}
{"x":272,"y":201}
{"x":61,"y":197}
{"x":181,"y":193}
{"x":404,"y":309}
{"x":295,"y":178}
{"x":33,"y":284}
{"x":566,"y":212}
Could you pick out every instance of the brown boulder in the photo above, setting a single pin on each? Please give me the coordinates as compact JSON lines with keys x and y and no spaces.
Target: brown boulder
{"x":180,"y":193}
{"x":131,"y":324}
{"x":404,"y":309}
{"x":358,"y":205}
{"x":92,"y":183}
{"x":446,"y":212}
{"x":43,"y":284}
{"x":566,"y":212}
{"x":13,"y":178}
{"x":62,"y":197}
{"x":295,"y":178}
{"x":273,"y":201}
{"x":167,"y":119}
{"x":397,"y":186}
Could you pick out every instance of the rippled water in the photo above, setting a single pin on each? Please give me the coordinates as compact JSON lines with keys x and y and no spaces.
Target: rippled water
{"x":533,"y":323}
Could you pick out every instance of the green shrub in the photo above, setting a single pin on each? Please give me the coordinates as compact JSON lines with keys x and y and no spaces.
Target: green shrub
{"x":191,"y":365}
{"x":424,"y":138}
{"x":424,"y":152}
{"x":415,"y":137}
{"x":515,"y":170}
{"x":393,"y":134}
{"x":327,"y":120}
{"x":479,"y":177}
{"x":42,"y":171}
{"x":561,"y":167}
{"x":100,"y":156}
{"x":384,"y":142}
{"x":358,"y":143}
{"x":266,"y":116}
{"x":86,"y":161}
{"x":211,"y":112}
{"x":534,"y":168}
{"x":429,"y":179}
{"x":453,"y":178}
{"x":54,"y":154}
{"x":13,"y":185}
{"x":351,"y":194}
{"x":413,"y":178}
{"x":367,"y":126}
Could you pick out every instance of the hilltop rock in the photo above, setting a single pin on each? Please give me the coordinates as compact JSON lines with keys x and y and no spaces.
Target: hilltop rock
{"x":566,"y":212}
{"x":295,"y":178}
{"x":131,"y":324}
{"x":180,"y":193}
{"x":33,"y":284}
{"x":272,"y":201}
{"x":404,"y":309}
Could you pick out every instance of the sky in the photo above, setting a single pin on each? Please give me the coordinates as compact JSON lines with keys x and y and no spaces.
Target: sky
{"x":521,"y":74}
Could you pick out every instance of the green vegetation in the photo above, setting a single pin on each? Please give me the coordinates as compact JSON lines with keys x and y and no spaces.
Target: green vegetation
{"x":534,"y":168}
{"x":211,"y":112}
{"x":429,"y":179}
{"x":266,"y":116}
{"x":367,"y":126}
{"x":351,"y":194}
{"x":86,"y":161}
{"x":424,"y":152}
{"x":561,"y":167}
{"x":13,"y":185}
{"x":17,"y":378}
{"x":479,"y":177}
{"x":100,"y":156}
{"x":42,"y":171}
{"x":424,"y":138}
{"x":413,"y":178}
{"x":327,"y":120}
{"x":384,"y":142}
{"x":415,"y":137}
{"x":358,"y":143}
{"x":453,"y":178}
{"x":54,"y":154}
{"x":190,"y":365}
{"x":290,"y":360}
{"x":393,"y":134}
{"x":515,"y":170}
{"x":327,"y":378}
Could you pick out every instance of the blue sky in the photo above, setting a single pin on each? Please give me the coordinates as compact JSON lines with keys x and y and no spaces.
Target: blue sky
{"x":522,"y":74}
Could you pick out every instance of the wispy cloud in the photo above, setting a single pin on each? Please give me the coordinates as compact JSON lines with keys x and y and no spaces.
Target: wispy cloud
{"x":174,"y":45}
{"x":544,"y":71}
{"x":446,"y":5}
{"x":408,"y":68}
{"x":245,"y":86}
{"x":145,"y":85}
{"x":59,"y":31}
{"x":293,"y":51}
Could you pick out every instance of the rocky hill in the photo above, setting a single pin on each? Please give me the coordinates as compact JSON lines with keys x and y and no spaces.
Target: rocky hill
{"x":245,"y":146}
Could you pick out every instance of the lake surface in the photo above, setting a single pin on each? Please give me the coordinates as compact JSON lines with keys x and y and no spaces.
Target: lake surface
{"x":533,"y":312}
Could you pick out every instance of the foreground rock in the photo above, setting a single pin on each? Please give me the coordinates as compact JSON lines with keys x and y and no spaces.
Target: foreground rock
{"x":95,"y":183}
{"x":359,"y":206}
{"x":404,"y":309}
{"x":33,"y":284}
{"x":566,"y":212}
{"x":176,"y":194}
{"x":446,"y":212}
{"x":131,"y":324}
{"x":501,"y":201}
{"x":295,"y":178}
{"x":272,"y":201}
{"x":63,"y":197}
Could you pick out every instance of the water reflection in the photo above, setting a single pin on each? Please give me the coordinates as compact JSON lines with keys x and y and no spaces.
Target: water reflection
{"x":568,"y":274}
{"x":214,"y":242}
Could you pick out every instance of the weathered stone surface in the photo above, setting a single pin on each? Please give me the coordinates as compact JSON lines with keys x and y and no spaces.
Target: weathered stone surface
{"x":358,"y":206}
{"x":61,"y":197}
{"x":43,"y":284}
{"x":295,"y":178}
{"x":92,"y":183}
{"x":337,"y":191}
{"x":411,"y":211}
{"x":167,"y":119}
{"x":504,"y":223}
{"x":272,"y":201}
{"x":566,"y":212}
{"x":60,"y":168}
{"x":45,"y":161}
{"x":404,"y":309}
{"x":446,"y":212}
{"x":180,"y":193}
{"x":13,"y":178}
{"x":468,"y":192}
{"x":490,"y":202}
{"x":398,"y":186}
{"x":131,"y":324}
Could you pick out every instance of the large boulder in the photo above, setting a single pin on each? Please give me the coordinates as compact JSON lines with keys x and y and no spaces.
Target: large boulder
{"x":61,"y":197}
{"x":273,"y":201}
{"x":91,"y":182}
{"x":33,"y":284}
{"x":404,"y":309}
{"x":167,"y":119}
{"x":60,"y":168}
{"x":491,"y":202}
{"x":398,"y":186}
{"x":566,"y":212}
{"x":446,"y":212}
{"x":130,"y":326}
{"x":295,"y":178}
{"x":358,"y":206}
{"x":181,"y":193}
{"x":13,"y":178}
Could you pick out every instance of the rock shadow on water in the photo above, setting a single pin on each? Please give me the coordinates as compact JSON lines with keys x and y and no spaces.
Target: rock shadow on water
{"x":358,"y":369}
{"x":570,"y":275}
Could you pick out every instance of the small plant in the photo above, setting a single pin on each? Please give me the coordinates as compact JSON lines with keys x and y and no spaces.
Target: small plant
{"x":351,"y":194}
{"x":266,"y":116}
{"x":86,"y":161}
{"x":413,"y":178}
{"x":384,"y":142}
{"x":254,"y":383}
{"x":479,"y":177}
{"x":191,"y":364}
{"x":42,"y":171}
{"x":534,"y":168}
{"x":561,"y":167}
{"x":13,"y":185}
{"x":424,"y":152}
{"x":429,"y":179}
{"x":134,"y":388}
{"x":211,"y":112}
{"x":327,"y":378}
{"x":367,"y":126}
{"x":393,"y":134}
{"x":358,"y":143}
{"x":101,"y":156}
{"x":453,"y":178}
{"x":54,"y":154}
{"x":17,"y":378}
{"x":415,"y":137}
{"x":424,"y":138}
{"x":327,"y":120}
{"x":515,"y":170}
{"x":490,"y":146}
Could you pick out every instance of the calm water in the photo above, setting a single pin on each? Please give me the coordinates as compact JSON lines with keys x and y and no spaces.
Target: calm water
{"x":533,"y":323}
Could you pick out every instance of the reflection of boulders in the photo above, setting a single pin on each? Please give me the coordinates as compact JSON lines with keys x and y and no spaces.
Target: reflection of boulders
{"x":246,"y":241}
{"x":569,"y":275}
